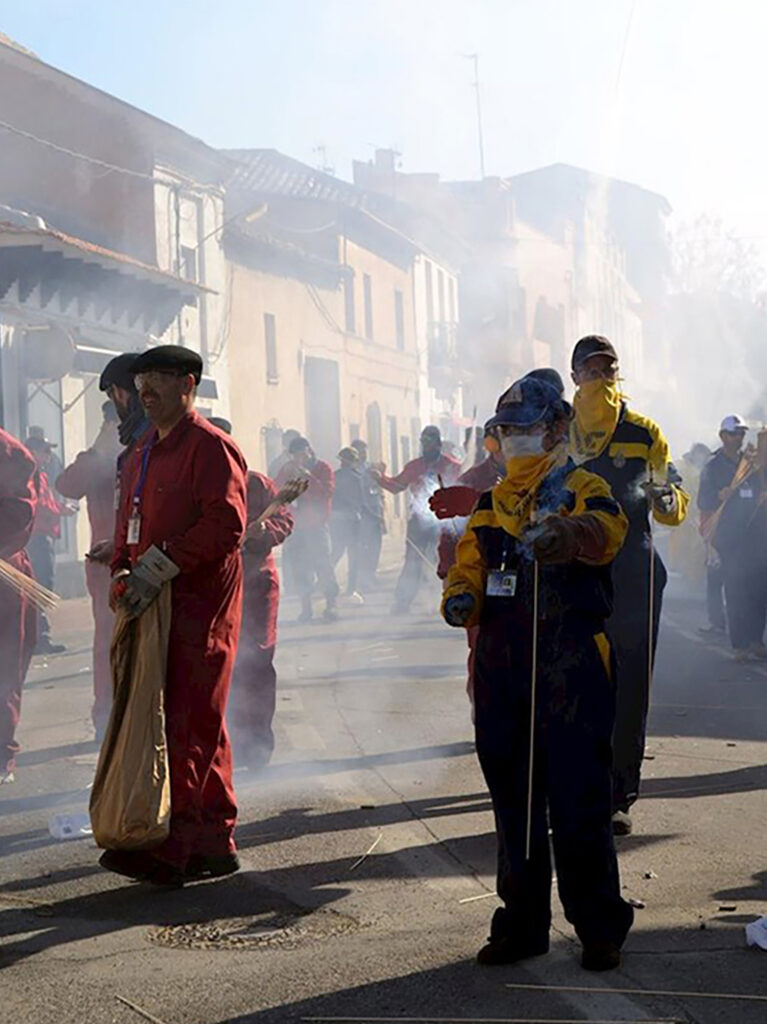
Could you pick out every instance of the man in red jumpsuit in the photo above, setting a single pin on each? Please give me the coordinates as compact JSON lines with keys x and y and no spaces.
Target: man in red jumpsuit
{"x":421,"y":477}
{"x":184,"y":496}
{"x":92,"y":476}
{"x":18,"y":618}
{"x":254,"y":685}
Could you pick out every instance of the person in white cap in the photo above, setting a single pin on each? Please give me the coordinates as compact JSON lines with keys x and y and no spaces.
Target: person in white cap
{"x":738,"y":538}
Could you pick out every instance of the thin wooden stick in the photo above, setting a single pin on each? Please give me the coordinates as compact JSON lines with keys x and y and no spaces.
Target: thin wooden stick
{"x":533,"y":688}
{"x":493,"y":1020}
{"x":137,"y":1009}
{"x":367,"y":853}
{"x":637,"y":992}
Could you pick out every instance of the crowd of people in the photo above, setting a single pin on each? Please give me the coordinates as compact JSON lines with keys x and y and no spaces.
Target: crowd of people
{"x":542,"y":536}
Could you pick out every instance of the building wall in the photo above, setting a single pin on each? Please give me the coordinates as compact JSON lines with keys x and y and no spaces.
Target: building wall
{"x":377,"y":382}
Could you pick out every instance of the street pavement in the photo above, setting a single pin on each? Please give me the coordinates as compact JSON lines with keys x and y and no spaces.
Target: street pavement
{"x":368,"y":851}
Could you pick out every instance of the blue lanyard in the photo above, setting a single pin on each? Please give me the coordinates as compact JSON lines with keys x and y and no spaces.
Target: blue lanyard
{"x":142,"y":478}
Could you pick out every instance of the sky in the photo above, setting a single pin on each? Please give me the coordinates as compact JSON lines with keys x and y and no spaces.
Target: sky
{"x":668,"y":94}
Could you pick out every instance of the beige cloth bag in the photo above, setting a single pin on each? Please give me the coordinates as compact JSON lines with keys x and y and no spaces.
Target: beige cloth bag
{"x":130,"y":799}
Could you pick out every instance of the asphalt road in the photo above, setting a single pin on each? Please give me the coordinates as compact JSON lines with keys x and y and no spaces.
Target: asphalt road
{"x":368,"y":853}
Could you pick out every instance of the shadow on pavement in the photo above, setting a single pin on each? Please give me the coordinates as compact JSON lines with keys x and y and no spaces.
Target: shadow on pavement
{"x":670,"y":960}
{"x":27,"y":758}
{"x":739,"y":780}
{"x":330,"y":766}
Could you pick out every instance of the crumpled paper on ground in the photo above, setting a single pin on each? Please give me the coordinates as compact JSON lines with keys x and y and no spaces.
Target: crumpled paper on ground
{"x":756,"y":933}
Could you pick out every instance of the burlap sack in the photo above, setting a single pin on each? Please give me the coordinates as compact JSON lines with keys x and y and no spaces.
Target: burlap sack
{"x":130,"y":799}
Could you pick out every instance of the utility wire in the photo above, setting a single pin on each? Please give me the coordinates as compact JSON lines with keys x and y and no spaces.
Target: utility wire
{"x":5,"y":126}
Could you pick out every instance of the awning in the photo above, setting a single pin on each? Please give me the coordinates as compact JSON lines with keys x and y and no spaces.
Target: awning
{"x":47,"y":270}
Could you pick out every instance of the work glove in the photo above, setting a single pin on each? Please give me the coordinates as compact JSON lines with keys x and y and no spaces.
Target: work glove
{"x":102,"y":552}
{"x":448,"y":502}
{"x":557,"y":541}
{"x":660,"y":495}
{"x":142,"y":585}
{"x":458,"y":609}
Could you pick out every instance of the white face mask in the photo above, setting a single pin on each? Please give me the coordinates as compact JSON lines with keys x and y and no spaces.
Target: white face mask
{"x":515,"y":445}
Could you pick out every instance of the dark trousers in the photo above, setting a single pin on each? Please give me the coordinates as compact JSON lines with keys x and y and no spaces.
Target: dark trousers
{"x":420,"y":550}
{"x":310,"y":554}
{"x":745,"y":588}
{"x":369,"y":550}
{"x":714,"y":597}
{"x":628,"y":629}
{"x":41,"y":554}
{"x":571,"y":780}
{"x":345,"y":539}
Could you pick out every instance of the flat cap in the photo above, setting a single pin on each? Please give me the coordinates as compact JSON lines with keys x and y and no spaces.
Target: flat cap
{"x":592,"y":345}
{"x":171,"y":359}
{"x":119,"y":372}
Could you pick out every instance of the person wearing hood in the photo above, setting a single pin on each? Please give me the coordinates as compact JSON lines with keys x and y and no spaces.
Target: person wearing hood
{"x":631,"y":454}
{"x":93,"y":476}
{"x":533,"y":574}
{"x":421,"y":478}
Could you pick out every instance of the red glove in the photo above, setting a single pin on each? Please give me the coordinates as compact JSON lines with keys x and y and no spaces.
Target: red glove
{"x":448,"y":502}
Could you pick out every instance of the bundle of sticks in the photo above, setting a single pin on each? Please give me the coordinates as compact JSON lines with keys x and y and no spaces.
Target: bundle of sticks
{"x":290,"y":491}
{"x":751,"y":460}
{"x":38,"y":595}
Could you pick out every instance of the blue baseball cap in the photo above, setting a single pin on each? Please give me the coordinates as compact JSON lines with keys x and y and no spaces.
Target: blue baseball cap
{"x":528,"y":401}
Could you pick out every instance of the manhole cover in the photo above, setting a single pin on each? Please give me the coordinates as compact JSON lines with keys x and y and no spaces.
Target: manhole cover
{"x":273,"y":929}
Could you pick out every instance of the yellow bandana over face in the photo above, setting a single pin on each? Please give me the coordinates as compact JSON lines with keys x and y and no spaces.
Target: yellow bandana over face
{"x":597,"y":405}
{"x":514,"y":497}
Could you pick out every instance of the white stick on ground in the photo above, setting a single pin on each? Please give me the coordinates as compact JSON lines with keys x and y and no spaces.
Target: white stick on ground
{"x":533,"y":688}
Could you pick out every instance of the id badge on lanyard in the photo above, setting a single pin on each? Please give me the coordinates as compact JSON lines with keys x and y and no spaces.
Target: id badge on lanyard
{"x":134,"y":523}
{"x":502,"y":582}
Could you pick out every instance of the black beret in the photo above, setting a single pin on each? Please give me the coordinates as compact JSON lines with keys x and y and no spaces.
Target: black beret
{"x":172,"y":358}
{"x":118,"y":372}
{"x":221,"y":423}
{"x":592,"y":345}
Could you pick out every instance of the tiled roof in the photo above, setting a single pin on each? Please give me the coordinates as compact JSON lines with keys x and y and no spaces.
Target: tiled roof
{"x":110,"y":255}
{"x":267,"y":170}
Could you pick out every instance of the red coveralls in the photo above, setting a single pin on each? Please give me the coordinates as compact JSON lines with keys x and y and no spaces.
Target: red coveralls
{"x":92,"y":476}
{"x":18,"y":618}
{"x":254,"y":686}
{"x":192,"y":505}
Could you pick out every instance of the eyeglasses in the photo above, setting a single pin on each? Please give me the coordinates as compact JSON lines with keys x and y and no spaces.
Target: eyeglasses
{"x":152,"y":378}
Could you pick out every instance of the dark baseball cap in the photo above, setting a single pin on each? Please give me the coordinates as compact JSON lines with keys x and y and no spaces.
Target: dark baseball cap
{"x":592,"y":345}
{"x":528,"y":401}
{"x":550,"y":376}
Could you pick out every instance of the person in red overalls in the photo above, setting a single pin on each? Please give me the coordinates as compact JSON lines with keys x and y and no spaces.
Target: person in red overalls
{"x":254,"y":684}
{"x":18,"y":618}
{"x":184,"y":497}
{"x":92,"y":476}
{"x":421,"y":477}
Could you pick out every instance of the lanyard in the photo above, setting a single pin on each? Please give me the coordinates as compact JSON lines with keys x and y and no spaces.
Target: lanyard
{"x":142,"y":478}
